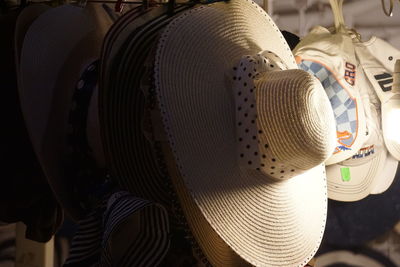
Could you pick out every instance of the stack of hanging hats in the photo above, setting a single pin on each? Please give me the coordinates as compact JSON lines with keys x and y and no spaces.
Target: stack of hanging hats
{"x":123,"y":57}
{"x":359,"y":156}
{"x":377,"y":59}
{"x":25,"y":194}
{"x":131,"y":156}
{"x":361,"y":164}
{"x":364,"y":170}
{"x":353,"y":224}
{"x":242,"y":180}
{"x":59,"y":96}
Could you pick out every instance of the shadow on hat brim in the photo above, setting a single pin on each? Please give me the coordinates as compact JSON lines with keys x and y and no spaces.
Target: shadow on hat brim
{"x":265,"y":222}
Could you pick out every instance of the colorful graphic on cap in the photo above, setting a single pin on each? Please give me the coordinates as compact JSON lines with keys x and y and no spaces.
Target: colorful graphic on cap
{"x":344,"y":106}
{"x":364,"y":152}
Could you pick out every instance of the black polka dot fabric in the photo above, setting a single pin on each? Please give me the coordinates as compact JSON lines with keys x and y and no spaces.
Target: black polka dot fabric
{"x":252,"y":153}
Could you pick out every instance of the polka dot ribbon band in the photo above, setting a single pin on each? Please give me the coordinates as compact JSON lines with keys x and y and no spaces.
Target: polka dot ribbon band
{"x":254,"y":151}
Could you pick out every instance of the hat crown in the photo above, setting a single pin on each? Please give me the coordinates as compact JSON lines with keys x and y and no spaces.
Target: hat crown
{"x":285,"y":122}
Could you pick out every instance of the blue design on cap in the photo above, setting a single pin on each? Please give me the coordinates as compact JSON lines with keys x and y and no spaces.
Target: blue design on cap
{"x":344,"y":107}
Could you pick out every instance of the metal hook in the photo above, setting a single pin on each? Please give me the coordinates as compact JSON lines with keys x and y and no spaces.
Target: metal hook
{"x":390,"y":13}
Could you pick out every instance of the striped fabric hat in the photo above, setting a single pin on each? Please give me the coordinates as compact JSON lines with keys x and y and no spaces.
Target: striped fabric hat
{"x":244,"y":178}
{"x":129,"y":152}
{"x":130,"y":110}
{"x":134,"y":161}
{"x":122,"y":231}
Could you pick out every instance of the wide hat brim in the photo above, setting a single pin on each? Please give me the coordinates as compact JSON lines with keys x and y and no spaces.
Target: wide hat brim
{"x":24,"y":21}
{"x":135,"y":158}
{"x":56,"y":48}
{"x":268,"y":223}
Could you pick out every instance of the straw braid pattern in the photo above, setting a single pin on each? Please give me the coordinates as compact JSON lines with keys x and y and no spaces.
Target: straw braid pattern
{"x":190,"y":252}
{"x":299,"y":126}
{"x":281,"y":233}
{"x":254,"y":153}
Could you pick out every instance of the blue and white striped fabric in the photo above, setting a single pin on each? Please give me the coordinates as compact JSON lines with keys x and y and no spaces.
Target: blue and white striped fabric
{"x":143,"y":225}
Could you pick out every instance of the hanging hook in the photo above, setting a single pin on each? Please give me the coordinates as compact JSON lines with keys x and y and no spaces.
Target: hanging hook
{"x":390,"y":13}
{"x":119,"y":6}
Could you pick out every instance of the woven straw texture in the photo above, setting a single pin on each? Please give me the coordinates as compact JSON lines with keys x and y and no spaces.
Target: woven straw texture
{"x":266,"y":222}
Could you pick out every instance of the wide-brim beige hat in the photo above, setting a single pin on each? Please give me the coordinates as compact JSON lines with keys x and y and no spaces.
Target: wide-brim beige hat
{"x":56,"y":49}
{"x":248,"y":139}
{"x":27,"y":16}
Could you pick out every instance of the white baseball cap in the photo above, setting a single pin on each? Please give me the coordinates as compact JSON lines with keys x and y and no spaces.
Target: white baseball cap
{"x":372,"y":169}
{"x":378,"y":58}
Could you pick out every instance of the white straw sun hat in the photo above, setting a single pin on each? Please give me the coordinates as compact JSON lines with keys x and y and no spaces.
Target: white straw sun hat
{"x":248,"y":139}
